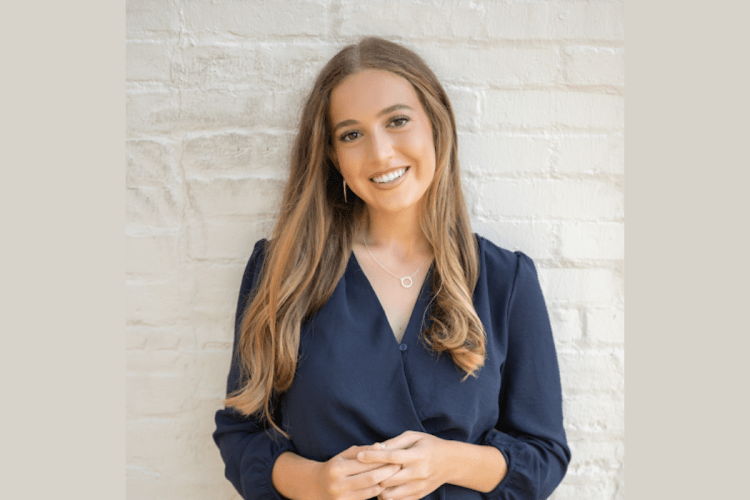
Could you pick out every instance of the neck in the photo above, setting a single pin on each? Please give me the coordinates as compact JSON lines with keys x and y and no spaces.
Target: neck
{"x":399,"y":234}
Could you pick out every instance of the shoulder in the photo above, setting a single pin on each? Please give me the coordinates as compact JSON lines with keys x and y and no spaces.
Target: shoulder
{"x":497,"y":259}
{"x":501,"y":266}
{"x":254,"y":264}
{"x":257,"y":255}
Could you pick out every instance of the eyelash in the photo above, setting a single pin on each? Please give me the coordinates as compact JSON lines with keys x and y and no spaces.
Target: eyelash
{"x":405,"y":119}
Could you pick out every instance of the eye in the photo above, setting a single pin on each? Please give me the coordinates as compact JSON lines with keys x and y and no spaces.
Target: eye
{"x":399,"y":121}
{"x":349,"y":136}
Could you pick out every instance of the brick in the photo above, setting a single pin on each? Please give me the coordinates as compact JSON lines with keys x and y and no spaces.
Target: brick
{"x":154,"y":363}
{"x":443,"y":19}
{"x":151,"y":113}
{"x":238,"y":154}
{"x":554,"y":199}
{"x":152,"y":255}
{"x":179,"y":446}
{"x":566,"y":324}
{"x":591,"y":154}
{"x":222,"y":153}
{"x":150,"y":163}
{"x":493,"y":152}
{"x":581,"y":286}
{"x":554,"y":21}
{"x":212,"y":109}
{"x":606,"y":455}
{"x":226,"y":238}
{"x":271,"y":153}
{"x":465,"y":105}
{"x":532,"y":238}
{"x":163,"y":339}
{"x":212,"y":369}
{"x":592,"y":372}
{"x":148,"y":62}
{"x":594,"y":65}
{"x":159,"y":396}
{"x":593,"y":240}
{"x":151,"y":18}
{"x":478,"y":65}
{"x":605,"y":324}
{"x":234,"y":196}
{"x":214,"y":295}
{"x":212,"y":333}
{"x":153,"y":209}
{"x":153,"y":303}
{"x":286,"y":106}
{"x":212,"y":66}
{"x":586,"y":489}
{"x":153,"y":339}
{"x":135,"y":338}
{"x":292,"y":66}
{"x":258,"y":19}
{"x":173,"y":482}
{"x":150,"y":441}
{"x":598,"y":414}
{"x":532,"y":109}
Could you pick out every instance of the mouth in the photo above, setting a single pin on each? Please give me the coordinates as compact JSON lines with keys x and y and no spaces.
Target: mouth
{"x":390,"y":176}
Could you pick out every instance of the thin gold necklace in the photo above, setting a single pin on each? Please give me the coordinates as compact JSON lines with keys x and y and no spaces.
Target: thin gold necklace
{"x":405,"y":278}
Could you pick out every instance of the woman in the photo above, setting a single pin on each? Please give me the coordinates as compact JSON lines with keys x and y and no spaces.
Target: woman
{"x":381,"y":348}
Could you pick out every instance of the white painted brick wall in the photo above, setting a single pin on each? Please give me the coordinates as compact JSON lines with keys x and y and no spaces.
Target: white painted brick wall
{"x":212,"y":93}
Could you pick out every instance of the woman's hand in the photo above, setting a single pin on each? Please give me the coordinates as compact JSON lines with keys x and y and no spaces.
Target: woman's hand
{"x":343,"y":477}
{"x":423,"y":459}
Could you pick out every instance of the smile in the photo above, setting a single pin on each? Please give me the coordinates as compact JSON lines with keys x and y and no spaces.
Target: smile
{"x":390,"y":177}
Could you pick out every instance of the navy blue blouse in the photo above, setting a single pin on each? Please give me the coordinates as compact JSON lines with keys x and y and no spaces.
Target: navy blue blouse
{"x":355,"y":384}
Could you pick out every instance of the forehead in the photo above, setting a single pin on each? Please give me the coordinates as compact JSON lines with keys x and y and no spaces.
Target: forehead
{"x":366,"y":93}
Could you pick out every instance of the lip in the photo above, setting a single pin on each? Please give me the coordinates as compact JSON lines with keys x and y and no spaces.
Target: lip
{"x":392,"y":184}
{"x":388,"y":171}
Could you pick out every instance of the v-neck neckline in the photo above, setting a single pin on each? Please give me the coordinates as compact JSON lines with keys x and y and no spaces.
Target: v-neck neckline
{"x":418,"y":304}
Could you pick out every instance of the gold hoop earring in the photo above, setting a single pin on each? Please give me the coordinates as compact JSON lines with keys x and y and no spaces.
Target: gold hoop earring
{"x":345,"y":201}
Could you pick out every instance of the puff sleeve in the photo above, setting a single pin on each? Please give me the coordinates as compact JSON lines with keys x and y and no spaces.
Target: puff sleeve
{"x":529,"y":432}
{"x":248,"y":447}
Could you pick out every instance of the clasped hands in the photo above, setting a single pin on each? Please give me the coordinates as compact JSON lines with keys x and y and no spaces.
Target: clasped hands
{"x":406,"y":467}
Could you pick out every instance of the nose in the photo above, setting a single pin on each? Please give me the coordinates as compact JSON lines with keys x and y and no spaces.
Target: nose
{"x":381,"y":147}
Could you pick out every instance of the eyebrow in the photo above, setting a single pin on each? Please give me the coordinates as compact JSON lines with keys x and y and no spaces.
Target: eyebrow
{"x":389,"y":109}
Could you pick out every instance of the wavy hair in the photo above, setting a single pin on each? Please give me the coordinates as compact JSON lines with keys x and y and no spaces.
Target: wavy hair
{"x":312,"y":239}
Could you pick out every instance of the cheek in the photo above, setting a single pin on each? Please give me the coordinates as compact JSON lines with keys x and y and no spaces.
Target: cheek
{"x":347,"y":161}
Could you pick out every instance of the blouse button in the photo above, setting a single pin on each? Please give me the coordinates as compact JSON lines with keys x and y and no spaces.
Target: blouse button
{"x":402,"y":347}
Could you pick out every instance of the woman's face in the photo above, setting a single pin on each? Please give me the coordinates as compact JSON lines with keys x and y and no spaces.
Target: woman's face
{"x":382,"y":140}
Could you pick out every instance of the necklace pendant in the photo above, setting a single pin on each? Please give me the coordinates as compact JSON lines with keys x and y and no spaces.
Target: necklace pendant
{"x":403,"y":282}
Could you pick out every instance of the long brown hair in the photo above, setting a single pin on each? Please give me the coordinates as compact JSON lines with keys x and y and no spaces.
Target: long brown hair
{"x":312,"y":240}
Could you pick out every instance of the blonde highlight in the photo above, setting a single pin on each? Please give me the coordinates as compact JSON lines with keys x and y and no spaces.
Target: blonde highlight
{"x":312,"y":239}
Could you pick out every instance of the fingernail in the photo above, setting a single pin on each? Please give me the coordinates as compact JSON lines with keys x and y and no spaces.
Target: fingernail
{"x":383,"y":446}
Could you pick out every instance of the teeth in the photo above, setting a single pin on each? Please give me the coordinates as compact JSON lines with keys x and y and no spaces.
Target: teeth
{"x":390,"y":177}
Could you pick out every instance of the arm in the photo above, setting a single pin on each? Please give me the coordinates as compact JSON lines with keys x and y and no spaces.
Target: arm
{"x":426,"y":462}
{"x":529,"y":432}
{"x":526,"y":455}
{"x":476,"y":467}
{"x":248,"y":449}
{"x":262,"y":464}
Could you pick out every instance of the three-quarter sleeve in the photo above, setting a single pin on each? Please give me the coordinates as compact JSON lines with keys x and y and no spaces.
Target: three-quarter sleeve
{"x":529,"y":432}
{"x":248,"y":446}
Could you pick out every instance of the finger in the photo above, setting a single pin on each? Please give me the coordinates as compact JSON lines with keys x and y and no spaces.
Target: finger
{"x":403,"y":476}
{"x":371,"y":478}
{"x":348,"y":467}
{"x":412,"y":489}
{"x":404,"y":440}
{"x":351,"y":452}
{"x":396,"y":456}
{"x":366,"y":493}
